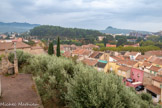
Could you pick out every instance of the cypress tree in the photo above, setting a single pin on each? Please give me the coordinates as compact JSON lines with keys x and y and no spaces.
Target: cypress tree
{"x":50,"y":49}
{"x":58,"y":47}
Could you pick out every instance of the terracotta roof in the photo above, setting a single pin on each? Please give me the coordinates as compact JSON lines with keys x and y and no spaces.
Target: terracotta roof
{"x":100,"y":65}
{"x":67,"y":54}
{"x":152,"y":59}
{"x":127,"y":62}
{"x":94,"y":54}
{"x":108,"y":45}
{"x":98,"y":55}
{"x":133,"y":53}
{"x":81,"y":52}
{"x":124,"y":68}
{"x":158,"y":61}
{"x":89,"y":62}
{"x":157,"y":78}
{"x":90,"y":46}
{"x":117,"y":58}
{"x":147,"y":64}
{"x":154,"y":89}
{"x":157,"y":53}
{"x":154,"y":68}
{"x":10,"y":45}
{"x":36,"y":47}
{"x":142,"y":57}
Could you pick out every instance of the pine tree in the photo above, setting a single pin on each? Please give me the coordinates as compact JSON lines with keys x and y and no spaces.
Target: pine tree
{"x":50,"y":49}
{"x":58,"y":47}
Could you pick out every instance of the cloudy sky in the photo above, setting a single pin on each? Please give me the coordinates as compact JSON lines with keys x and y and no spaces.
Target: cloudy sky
{"x":91,"y":14}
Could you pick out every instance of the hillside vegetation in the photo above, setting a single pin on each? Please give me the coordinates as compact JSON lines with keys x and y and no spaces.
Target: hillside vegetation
{"x":64,"y":83}
{"x":46,"y":31}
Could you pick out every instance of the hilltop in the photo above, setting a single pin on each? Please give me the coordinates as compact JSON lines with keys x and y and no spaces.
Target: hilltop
{"x":113,"y":30}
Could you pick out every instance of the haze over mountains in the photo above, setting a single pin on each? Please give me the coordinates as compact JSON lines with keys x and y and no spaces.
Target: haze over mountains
{"x":16,"y":27}
{"x":113,"y":30}
{"x":23,"y":27}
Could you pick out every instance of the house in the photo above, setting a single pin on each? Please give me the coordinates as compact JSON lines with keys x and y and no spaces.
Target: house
{"x":156,"y":53}
{"x":128,"y":63}
{"x":102,"y":65}
{"x":108,"y":45}
{"x":131,"y":40}
{"x":124,"y":71}
{"x":90,"y":62}
{"x":134,"y":45}
{"x":98,"y":55}
{"x":9,"y":46}
{"x":81,"y":53}
{"x":89,"y":46}
{"x":132,"y":55}
{"x":143,"y":57}
{"x":67,"y":54}
{"x":136,"y":77}
{"x":114,"y":58}
{"x":112,"y":66}
{"x":155,"y":89}
{"x":155,"y":70}
{"x":100,"y":38}
{"x":37,"y":50}
{"x":157,"y":62}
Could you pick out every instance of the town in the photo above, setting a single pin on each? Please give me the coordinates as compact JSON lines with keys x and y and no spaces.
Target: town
{"x":143,"y":72}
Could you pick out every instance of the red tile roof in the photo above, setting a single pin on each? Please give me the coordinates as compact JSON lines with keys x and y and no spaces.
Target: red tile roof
{"x":124,"y":68}
{"x":108,"y":45}
{"x":10,"y":45}
{"x":81,"y":52}
{"x":90,"y":62}
{"x":142,"y":57}
{"x":158,"y":61}
{"x":154,"y":68}
{"x":154,"y":89}
{"x":94,"y":54}
{"x":157,"y":78}
{"x":157,"y":53}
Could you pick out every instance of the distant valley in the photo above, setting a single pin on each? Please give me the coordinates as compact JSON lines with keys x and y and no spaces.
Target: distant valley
{"x":16,"y":27}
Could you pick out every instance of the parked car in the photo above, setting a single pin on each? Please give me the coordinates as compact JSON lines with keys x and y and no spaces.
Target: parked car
{"x":140,"y":88}
{"x":130,"y":80}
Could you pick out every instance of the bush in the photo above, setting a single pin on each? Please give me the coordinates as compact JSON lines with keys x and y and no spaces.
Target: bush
{"x":21,"y":56}
{"x":77,"y":85}
{"x":146,"y":96}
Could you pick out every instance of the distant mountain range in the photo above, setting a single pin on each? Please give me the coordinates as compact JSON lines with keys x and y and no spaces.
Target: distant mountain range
{"x":16,"y":27}
{"x":113,"y":30}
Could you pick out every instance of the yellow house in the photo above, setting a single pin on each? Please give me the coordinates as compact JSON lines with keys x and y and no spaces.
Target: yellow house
{"x":112,"y":66}
{"x":124,"y":71}
{"x":102,"y":66}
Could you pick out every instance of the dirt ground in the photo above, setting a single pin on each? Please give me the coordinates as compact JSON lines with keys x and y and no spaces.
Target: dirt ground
{"x":19,"y":92}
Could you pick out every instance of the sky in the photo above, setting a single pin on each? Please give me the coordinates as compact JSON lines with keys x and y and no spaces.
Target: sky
{"x":90,"y":14}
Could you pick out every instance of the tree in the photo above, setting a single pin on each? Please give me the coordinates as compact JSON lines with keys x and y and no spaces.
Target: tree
{"x":58,"y":47}
{"x":105,"y":41}
{"x":121,"y":41}
{"x":50,"y":49}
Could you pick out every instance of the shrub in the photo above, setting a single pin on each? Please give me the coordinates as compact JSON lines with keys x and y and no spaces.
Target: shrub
{"x":146,"y":96}
{"x":21,"y":56}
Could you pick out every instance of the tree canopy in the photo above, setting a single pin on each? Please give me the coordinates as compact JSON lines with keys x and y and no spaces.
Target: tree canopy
{"x":46,"y":31}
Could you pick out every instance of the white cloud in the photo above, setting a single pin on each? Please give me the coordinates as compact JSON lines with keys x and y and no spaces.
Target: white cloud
{"x":95,"y":14}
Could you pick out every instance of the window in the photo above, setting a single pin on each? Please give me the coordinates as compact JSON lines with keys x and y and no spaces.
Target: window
{"x":119,"y":71}
{"x":138,"y":75}
{"x":132,"y":73}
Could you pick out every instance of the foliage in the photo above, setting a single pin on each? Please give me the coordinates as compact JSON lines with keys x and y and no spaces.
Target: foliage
{"x":50,"y":49}
{"x":58,"y":47}
{"x":30,"y":42}
{"x":78,"y":85}
{"x":121,"y":42}
{"x":21,"y":56}
{"x":146,"y":96}
{"x":100,"y":44}
{"x":136,"y":49}
{"x":46,"y":31}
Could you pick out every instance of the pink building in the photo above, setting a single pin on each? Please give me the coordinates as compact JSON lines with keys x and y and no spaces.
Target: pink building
{"x":136,"y":78}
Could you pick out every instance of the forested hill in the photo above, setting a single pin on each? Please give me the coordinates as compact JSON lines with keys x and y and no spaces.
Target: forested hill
{"x":46,"y":31}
